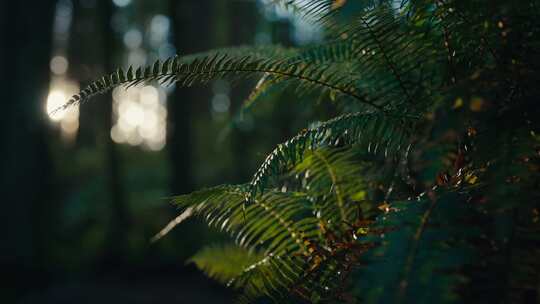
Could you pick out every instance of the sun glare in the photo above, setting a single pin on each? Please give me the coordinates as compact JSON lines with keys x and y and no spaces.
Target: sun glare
{"x":60,"y":91}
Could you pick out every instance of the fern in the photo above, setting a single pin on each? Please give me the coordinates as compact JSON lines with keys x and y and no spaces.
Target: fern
{"x":318,"y":11}
{"x":349,"y":176}
{"x":376,"y":132}
{"x":238,"y":261}
{"x":223,"y":207}
{"x":424,"y":188}
{"x":206,"y":68}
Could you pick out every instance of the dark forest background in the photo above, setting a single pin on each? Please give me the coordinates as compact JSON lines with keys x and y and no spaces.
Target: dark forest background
{"x":83,"y":193}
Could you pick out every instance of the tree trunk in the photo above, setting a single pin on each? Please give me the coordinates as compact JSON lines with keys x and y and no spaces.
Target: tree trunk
{"x":242,"y":30}
{"x":118,"y":228}
{"x":190,"y":24}
{"x":25,"y":176}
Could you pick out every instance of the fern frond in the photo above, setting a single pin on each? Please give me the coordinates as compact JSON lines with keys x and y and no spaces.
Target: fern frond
{"x":339,"y":183}
{"x":292,"y":278}
{"x":282,"y":225}
{"x":376,"y":132}
{"x":224,"y":262}
{"x":340,"y":50}
{"x":252,"y":273}
{"x":399,"y":58}
{"x":317,"y":11}
{"x":328,"y":13}
{"x":192,"y":70}
{"x":338,"y":54}
{"x":299,"y":257}
{"x":270,"y":222}
{"x":269,"y":277}
{"x":392,"y":63}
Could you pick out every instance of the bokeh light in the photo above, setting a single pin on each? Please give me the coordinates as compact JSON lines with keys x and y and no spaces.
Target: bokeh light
{"x":59,"y":65}
{"x":140,"y":117}
{"x":133,"y":39}
{"x":121,"y":3}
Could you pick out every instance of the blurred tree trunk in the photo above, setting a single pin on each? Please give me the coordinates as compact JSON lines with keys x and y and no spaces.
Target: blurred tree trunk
{"x":118,"y":228}
{"x":242,"y":29}
{"x":83,"y":45}
{"x":26,"y":173}
{"x":91,"y":54}
{"x":191,"y":22}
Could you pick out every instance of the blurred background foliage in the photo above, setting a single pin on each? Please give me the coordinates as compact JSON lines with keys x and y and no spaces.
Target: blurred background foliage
{"x":84,"y":191}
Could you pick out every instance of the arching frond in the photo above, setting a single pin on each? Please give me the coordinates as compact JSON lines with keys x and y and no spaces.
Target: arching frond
{"x":333,"y":54}
{"x":374,"y":131}
{"x":398,"y":56}
{"x":307,"y":77}
{"x":274,"y":221}
{"x":393,"y":63}
{"x":339,"y":182}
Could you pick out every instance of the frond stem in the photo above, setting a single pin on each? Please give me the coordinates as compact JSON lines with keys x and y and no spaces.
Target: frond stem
{"x":344,"y":91}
